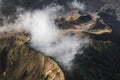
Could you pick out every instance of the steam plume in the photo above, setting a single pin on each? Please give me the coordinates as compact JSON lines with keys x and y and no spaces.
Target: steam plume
{"x":46,"y":37}
{"x":77,"y":5}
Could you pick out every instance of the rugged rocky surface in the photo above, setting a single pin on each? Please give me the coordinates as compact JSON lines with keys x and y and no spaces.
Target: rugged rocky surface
{"x":20,"y":62}
{"x":83,"y":23}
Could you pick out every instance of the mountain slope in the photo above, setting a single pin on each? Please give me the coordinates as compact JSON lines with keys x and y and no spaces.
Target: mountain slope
{"x":20,"y":62}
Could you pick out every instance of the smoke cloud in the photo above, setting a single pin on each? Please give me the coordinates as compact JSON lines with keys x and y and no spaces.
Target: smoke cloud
{"x":77,"y":5}
{"x":46,"y":36}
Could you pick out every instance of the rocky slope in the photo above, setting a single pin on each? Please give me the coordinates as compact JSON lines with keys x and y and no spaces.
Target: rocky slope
{"x":20,"y":62}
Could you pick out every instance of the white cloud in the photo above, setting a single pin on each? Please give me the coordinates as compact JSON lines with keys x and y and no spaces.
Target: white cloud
{"x":46,"y":37}
{"x":77,"y":5}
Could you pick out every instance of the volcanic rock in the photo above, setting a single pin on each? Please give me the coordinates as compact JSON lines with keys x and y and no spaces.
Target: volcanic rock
{"x":19,"y":62}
